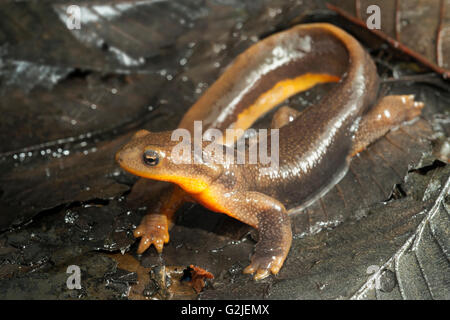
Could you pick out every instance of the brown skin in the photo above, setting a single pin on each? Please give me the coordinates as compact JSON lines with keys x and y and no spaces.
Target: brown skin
{"x":315,"y":146}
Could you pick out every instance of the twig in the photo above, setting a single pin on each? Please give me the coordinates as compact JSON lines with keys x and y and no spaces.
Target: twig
{"x":439,"y":35}
{"x":429,"y":78}
{"x":358,"y":9}
{"x":397,"y":20}
{"x":397,"y":45}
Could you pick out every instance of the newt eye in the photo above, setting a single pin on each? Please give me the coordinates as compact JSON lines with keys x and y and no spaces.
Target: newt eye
{"x":151,"y":158}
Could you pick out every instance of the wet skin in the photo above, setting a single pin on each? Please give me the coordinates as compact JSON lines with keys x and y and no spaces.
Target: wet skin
{"x":315,"y":146}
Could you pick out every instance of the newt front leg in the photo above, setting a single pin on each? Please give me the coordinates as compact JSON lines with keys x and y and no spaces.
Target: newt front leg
{"x":275,"y":238}
{"x":262,"y":212}
{"x":155,"y":226}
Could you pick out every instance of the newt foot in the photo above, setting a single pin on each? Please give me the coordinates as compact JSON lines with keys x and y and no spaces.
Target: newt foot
{"x":263,"y":264}
{"x":154,"y":229}
{"x":413,"y":108}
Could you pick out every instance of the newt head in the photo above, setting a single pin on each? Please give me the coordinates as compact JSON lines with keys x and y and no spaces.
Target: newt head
{"x":154,"y":155}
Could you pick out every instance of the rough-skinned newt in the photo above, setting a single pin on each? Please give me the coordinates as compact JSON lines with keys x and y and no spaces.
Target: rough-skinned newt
{"x":315,"y":145}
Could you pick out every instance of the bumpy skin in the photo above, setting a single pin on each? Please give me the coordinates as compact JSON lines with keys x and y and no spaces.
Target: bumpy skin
{"x":315,"y":146}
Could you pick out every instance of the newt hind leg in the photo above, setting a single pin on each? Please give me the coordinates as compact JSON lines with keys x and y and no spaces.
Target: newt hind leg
{"x":389,"y":112}
{"x":283,"y":116}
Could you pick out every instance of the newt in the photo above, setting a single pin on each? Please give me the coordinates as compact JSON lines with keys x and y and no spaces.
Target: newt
{"x":315,"y":146}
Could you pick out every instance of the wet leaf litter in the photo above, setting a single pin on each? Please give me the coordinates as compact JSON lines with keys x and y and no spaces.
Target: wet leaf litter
{"x":64,"y":200}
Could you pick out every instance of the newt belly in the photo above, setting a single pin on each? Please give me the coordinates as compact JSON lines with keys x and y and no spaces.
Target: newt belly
{"x":314,"y":146}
